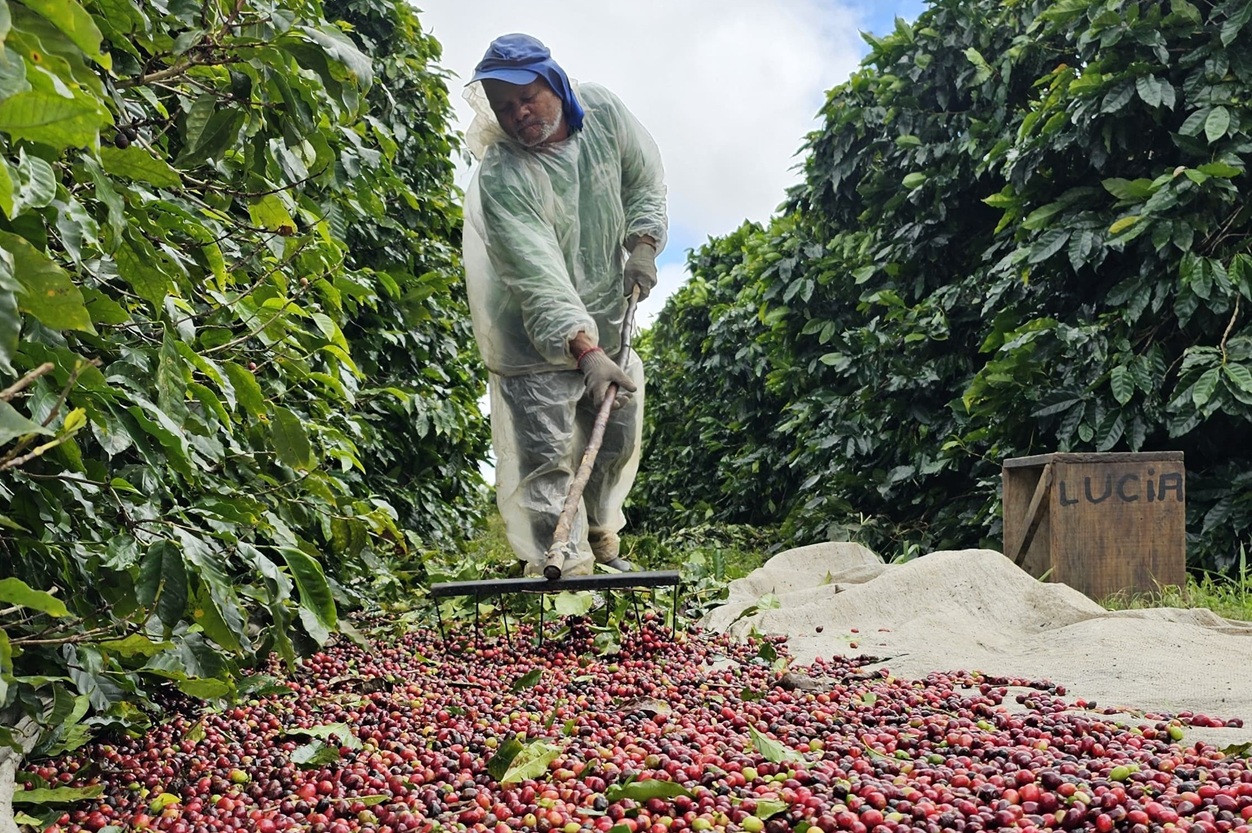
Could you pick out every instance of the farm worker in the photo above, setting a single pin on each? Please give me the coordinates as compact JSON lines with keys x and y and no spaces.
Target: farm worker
{"x":564,"y":216}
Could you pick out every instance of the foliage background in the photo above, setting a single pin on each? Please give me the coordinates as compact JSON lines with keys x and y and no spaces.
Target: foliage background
{"x":1023,"y":229}
{"x":229,"y":287}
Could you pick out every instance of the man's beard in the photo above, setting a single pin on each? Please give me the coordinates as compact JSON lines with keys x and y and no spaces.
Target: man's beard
{"x":546,"y":129}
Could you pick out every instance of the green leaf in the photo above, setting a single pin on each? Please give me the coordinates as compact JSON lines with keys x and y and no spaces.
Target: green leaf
{"x":47,"y":291}
{"x":1048,"y":244}
{"x":108,"y":195}
{"x":1186,"y":10}
{"x":528,"y":680}
{"x":204,"y":688}
{"x":51,"y":119}
{"x":6,"y":20}
{"x":163,"y":581}
{"x":139,"y":266}
{"x":139,"y":164}
{"x":982,"y":70}
{"x":103,"y":309}
{"x":340,"y":48}
{"x":171,"y":383}
{"x":1235,"y":21}
{"x":290,"y":440}
{"x":572,"y":604}
{"x":34,"y":186}
{"x":58,"y":795}
{"x":642,"y":791}
{"x":158,"y":424}
{"x":271,"y":214}
{"x":531,"y":762}
{"x":1220,"y":169}
{"x":1081,"y":245}
{"x":768,"y":807}
{"x":1217,"y":123}
{"x":1065,"y":9}
{"x":1118,"y":97}
{"x":1038,"y":218}
{"x":1150,"y":89}
{"x":135,"y":645}
{"x":315,"y":595}
{"x":10,"y":318}
{"x":1001,"y":200}
{"x":500,"y":762}
{"x":14,"y":425}
{"x":1123,"y":224}
{"x":1194,"y":123}
{"x":342,"y":733}
{"x":770,"y":749}
{"x":1122,"y":382}
{"x":314,"y":754}
{"x":12,"y":70}
{"x":220,"y":618}
{"x":1239,"y":376}
{"x":838,"y":360}
{"x":77,"y":24}
{"x":914,"y":180}
{"x":14,"y":591}
{"x":1128,"y":190}
{"x":1204,"y":387}
{"x":247,"y":390}
{"x":211,"y":139}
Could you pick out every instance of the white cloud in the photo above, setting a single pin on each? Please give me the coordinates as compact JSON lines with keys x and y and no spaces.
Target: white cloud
{"x":728,"y":88}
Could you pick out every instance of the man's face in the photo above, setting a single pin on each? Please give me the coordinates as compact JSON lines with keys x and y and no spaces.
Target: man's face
{"x":530,"y":114}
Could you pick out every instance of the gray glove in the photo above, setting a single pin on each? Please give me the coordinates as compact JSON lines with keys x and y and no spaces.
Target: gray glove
{"x":640,"y":270}
{"x":599,"y":371}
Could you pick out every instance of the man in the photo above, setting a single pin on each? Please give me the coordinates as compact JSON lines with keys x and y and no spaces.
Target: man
{"x":563,"y":220}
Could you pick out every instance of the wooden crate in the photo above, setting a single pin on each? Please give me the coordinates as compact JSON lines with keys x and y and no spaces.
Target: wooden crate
{"x":1101,"y":523}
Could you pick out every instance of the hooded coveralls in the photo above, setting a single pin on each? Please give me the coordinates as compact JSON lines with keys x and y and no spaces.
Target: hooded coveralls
{"x":543,"y":249}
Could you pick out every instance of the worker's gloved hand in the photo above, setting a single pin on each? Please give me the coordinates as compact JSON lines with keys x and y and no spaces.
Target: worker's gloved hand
{"x":640,"y":269}
{"x":599,"y":371}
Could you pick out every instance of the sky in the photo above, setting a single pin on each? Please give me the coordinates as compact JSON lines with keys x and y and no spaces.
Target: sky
{"x":727,"y":88}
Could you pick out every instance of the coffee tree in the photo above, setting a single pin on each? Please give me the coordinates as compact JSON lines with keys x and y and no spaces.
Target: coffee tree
{"x":236,"y":392}
{"x":1023,"y":229}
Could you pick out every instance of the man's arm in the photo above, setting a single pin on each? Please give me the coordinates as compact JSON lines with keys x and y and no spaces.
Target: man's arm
{"x":643,"y":182}
{"x":527,"y":256}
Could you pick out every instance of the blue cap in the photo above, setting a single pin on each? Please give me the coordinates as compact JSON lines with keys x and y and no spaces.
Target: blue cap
{"x":520,"y":59}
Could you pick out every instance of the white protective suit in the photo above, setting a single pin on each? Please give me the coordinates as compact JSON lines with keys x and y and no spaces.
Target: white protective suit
{"x":543,"y":251}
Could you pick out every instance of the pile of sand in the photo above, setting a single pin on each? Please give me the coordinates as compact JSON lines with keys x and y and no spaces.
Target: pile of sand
{"x":975,"y":610}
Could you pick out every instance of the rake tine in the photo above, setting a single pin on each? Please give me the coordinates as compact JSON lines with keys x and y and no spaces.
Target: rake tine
{"x":673,"y":621}
{"x":443,"y":638}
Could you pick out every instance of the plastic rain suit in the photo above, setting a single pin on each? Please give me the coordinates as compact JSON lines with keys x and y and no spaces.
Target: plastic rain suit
{"x":543,"y":250}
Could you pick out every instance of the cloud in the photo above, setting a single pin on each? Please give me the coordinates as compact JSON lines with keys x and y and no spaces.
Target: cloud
{"x":728,"y":88}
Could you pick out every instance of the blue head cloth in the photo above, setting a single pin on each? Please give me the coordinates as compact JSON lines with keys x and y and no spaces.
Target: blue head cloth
{"x":520,"y":59}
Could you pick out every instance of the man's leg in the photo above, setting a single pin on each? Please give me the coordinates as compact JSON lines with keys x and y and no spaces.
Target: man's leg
{"x":534,"y":435}
{"x":617,"y":463}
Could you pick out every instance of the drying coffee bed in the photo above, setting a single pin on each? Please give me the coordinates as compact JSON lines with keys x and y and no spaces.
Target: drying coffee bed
{"x":653,"y":733}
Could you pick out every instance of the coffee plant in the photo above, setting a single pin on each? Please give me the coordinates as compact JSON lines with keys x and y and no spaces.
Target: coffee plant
{"x":1023,"y":229}
{"x":237,"y":387}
